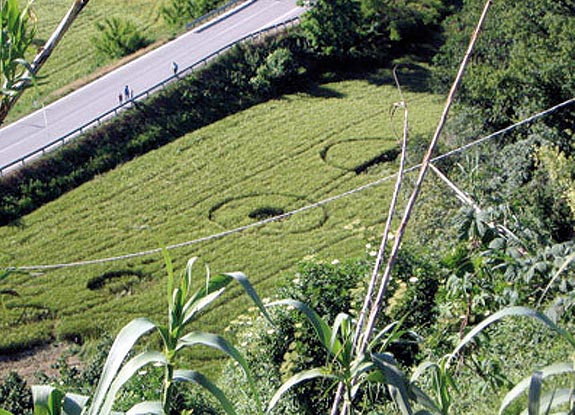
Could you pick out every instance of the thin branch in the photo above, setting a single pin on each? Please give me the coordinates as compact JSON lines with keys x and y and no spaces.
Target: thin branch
{"x":376,"y":307}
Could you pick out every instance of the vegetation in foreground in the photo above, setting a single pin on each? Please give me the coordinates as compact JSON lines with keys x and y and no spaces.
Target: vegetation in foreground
{"x":503,"y":255}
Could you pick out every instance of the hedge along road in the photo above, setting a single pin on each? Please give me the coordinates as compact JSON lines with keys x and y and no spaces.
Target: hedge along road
{"x":46,"y":125}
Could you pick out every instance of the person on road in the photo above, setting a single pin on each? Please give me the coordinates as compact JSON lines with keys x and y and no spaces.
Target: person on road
{"x":175,"y":68}
{"x":120,"y":98}
{"x":127,"y":93}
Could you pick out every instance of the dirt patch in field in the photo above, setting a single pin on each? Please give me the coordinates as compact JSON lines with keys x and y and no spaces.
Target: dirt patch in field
{"x":40,"y":359}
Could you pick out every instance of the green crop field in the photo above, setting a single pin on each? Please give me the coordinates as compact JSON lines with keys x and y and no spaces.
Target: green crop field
{"x":270,"y":159}
{"x":75,"y":57}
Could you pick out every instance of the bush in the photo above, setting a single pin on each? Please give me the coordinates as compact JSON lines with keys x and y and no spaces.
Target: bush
{"x":15,"y":395}
{"x":118,"y":38}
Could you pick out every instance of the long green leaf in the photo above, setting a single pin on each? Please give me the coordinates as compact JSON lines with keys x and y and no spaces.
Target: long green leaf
{"x":249,"y":289}
{"x":193,"y":308}
{"x":516,"y":312}
{"x":395,"y":380}
{"x":522,"y":387}
{"x":562,"y":268}
{"x":74,"y":404}
{"x":534,"y":400}
{"x":154,"y":407}
{"x":196,"y":377}
{"x":5,"y":412}
{"x":131,"y":367}
{"x":47,"y":400}
{"x":122,"y":345}
{"x":219,"y":343}
{"x":322,"y":330}
{"x":296,"y":379}
{"x":554,"y":399}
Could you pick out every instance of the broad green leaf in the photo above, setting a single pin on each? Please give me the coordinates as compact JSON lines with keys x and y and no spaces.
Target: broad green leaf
{"x":295,"y":380}
{"x":423,"y":399}
{"x":196,"y":377}
{"x":554,"y":399}
{"x":516,"y":312}
{"x":323,"y":331}
{"x":249,"y":289}
{"x":127,"y":372}
{"x":562,"y":268}
{"x":534,"y":400}
{"x":5,"y":412}
{"x":122,"y":345}
{"x":395,"y":380}
{"x":219,"y":343}
{"x":74,"y":404}
{"x":154,"y":407}
{"x":522,"y":387}
{"x":194,"y":306}
{"x":47,"y":400}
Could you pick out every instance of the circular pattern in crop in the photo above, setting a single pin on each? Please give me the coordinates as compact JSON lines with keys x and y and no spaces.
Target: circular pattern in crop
{"x":121,"y":282}
{"x":360,"y":155}
{"x":243,"y":210}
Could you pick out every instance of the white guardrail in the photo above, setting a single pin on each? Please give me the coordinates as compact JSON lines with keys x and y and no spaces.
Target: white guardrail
{"x":159,"y":86}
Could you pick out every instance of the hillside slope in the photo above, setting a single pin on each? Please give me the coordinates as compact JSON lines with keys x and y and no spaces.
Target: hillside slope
{"x":270,"y":159}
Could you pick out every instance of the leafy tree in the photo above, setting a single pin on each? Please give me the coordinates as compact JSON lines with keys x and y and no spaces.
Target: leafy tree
{"x":332,"y":26}
{"x":522,"y":64}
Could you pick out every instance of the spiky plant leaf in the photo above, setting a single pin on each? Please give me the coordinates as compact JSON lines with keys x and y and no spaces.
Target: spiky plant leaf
{"x":297,"y":379}
{"x":196,"y":377}
{"x":122,"y":345}
{"x":154,"y":407}
{"x":127,"y":372}
{"x":519,"y":389}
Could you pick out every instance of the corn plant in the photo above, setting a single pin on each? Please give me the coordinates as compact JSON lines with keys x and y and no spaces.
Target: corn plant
{"x":354,"y":373}
{"x":16,"y":36}
{"x":183,"y":307}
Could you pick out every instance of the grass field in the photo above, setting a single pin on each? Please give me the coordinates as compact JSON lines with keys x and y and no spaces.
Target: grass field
{"x":272,"y":158}
{"x":75,"y":58}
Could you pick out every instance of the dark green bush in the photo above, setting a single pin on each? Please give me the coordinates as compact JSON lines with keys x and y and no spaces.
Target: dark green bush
{"x":15,"y":395}
{"x":118,"y":38}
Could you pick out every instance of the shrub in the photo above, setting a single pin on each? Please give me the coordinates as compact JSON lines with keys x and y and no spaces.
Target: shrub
{"x":15,"y":395}
{"x":118,"y":38}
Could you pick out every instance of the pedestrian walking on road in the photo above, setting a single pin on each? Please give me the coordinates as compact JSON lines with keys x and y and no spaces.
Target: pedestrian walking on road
{"x":127,"y":93}
{"x":120,"y":98}
{"x":175,"y":68}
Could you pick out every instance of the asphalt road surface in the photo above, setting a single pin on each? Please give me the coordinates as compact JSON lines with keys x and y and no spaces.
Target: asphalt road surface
{"x":87,"y":103}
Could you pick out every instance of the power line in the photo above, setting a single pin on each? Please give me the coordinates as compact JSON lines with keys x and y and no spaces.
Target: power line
{"x":302,"y":209}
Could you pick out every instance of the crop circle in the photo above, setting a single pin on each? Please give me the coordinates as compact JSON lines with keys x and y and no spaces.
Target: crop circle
{"x":243,"y":210}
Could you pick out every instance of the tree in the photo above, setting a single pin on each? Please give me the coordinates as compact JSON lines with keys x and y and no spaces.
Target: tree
{"x":332,"y":27}
{"x":19,"y":27}
{"x":523,"y":63}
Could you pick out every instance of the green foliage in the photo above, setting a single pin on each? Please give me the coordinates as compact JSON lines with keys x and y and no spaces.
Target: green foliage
{"x":524,"y":51}
{"x":118,"y":37}
{"x":15,"y":395}
{"x":121,"y":365}
{"x":16,"y":36}
{"x":331,"y":27}
{"x":179,"y":12}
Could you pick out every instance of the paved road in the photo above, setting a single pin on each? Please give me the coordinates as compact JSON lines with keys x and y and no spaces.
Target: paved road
{"x":76,"y":109}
